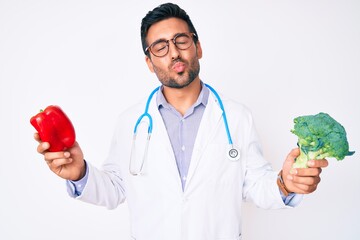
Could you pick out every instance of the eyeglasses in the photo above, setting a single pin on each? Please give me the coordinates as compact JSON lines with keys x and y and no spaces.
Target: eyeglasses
{"x":160,"y":47}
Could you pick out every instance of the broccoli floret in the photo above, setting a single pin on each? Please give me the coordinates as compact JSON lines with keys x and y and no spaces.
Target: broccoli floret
{"x":319,"y":136}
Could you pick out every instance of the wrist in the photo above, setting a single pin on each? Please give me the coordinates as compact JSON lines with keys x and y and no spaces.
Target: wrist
{"x":281,"y":184}
{"x":82,"y":172}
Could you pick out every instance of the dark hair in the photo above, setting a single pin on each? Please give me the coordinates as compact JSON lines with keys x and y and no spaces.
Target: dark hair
{"x":162,"y":12}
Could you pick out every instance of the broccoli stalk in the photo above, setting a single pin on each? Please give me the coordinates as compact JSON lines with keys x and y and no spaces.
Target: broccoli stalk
{"x":303,"y":158}
{"x":319,"y":136}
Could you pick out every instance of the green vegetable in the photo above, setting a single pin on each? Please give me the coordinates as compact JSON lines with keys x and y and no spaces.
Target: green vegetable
{"x":319,"y":136}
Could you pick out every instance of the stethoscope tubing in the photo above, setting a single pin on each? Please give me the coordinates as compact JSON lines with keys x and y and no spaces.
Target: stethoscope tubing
{"x":146,"y":113}
{"x":223,"y":113}
{"x":233,"y":153}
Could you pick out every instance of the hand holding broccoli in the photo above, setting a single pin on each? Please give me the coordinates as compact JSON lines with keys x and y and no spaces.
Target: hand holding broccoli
{"x":301,"y":180}
{"x":319,"y":136}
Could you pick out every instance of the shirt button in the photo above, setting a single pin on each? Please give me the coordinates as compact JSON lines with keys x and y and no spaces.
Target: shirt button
{"x":183,"y":148}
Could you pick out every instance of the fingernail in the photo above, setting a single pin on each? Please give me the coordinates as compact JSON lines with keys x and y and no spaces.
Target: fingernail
{"x":311,"y":163}
{"x":289,"y":177}
{"x":66,"y":154}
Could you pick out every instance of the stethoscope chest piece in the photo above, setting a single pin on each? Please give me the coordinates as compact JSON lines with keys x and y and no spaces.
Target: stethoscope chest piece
{"x":233,"y":153}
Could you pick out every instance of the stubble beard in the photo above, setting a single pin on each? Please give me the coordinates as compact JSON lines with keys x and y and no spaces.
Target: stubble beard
{"x":183,"y":79}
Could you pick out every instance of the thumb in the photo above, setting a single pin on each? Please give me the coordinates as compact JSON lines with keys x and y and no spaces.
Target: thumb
{"x":290,"y":159}
{"x":287,"y":167}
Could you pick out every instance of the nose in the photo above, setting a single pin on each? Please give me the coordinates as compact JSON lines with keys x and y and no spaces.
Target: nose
{"x":174,"y":52}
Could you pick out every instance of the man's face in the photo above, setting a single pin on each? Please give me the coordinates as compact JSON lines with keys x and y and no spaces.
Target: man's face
{"x":178,"y":68}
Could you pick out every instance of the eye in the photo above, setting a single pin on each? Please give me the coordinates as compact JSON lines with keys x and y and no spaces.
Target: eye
{"x":182,"y":39}
{"x":159,"y":46}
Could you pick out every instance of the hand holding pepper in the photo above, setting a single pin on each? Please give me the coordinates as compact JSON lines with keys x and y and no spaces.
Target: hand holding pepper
{"x":68,"y":164}
{"x":55,"y":135}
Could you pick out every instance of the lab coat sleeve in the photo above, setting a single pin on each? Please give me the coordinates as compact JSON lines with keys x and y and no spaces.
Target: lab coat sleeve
{"x":260,"y":179}
{"x":103,"y":188}
{"x":95,"y":190}
{"x":105,"y":185}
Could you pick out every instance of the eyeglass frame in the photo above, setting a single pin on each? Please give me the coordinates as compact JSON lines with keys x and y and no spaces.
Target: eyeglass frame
{"x":192,"y":35}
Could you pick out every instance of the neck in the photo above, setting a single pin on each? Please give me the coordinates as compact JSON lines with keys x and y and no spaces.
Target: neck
{"x":182,"y":99}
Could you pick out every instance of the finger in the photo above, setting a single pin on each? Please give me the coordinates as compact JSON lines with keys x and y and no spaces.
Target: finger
{"x":305,"y":185}
{"x":56,"y":163}
{"x":57,"y":159}
{"x":37,"y":137}
{"x":307,"y":172}
{"x":42,"y":147}
{"x":50,"y":156}
{"x":321,"y":163}
{"x":305,"y":189}
{"x":306,"y":180}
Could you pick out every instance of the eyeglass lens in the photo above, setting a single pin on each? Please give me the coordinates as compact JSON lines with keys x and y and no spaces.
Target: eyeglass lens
{"x":182,"y":41}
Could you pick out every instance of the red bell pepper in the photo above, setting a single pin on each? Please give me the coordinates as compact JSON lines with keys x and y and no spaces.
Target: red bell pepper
{"x":54,"y":127}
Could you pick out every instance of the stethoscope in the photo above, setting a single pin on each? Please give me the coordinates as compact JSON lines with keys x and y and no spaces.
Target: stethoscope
{"x":233,"y":153}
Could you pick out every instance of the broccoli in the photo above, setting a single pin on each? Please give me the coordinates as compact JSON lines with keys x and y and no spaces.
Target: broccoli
{"x":319,"y":136}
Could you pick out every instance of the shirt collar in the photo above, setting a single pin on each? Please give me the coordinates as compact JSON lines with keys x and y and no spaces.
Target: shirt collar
{"x":202,"y":99}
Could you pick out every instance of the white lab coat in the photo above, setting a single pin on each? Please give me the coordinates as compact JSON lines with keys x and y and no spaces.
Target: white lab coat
{"x":209,"y":208}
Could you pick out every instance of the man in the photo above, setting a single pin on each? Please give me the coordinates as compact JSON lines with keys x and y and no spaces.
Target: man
{"x":183,"y":186}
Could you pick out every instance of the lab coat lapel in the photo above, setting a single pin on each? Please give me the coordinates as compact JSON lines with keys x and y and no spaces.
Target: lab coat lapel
{"x":160,"y":136}
{"x":208,"y":127}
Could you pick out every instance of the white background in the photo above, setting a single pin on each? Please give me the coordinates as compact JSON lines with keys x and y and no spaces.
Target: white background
{"x":280,"y":58}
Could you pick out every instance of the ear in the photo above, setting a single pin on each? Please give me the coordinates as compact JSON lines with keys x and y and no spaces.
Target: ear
{"x":198,"y":50}
{"x":149,"y":63}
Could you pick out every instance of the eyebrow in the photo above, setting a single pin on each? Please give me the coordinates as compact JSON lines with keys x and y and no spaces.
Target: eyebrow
{"x":159,"y":40}
{"x":164,"y":39}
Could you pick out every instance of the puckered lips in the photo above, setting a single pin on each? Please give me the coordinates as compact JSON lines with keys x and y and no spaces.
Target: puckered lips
{"x":178,"y":67}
